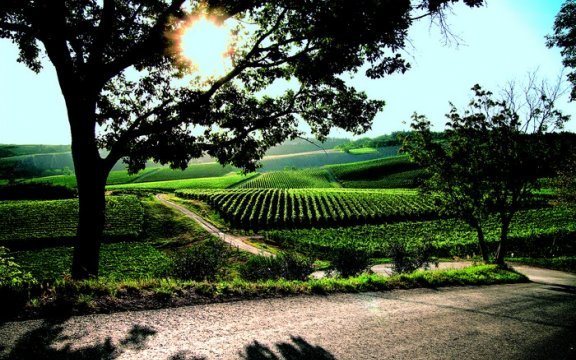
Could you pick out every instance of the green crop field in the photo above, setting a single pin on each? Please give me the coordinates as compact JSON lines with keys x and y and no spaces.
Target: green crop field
{"x":115,"y":177}
{"x":279,"y":208}
{"x":389,"y":172}
{"x":221,"y":182}
{"x":292,"y":179}
{"x":22,"y":221}
{"x":373,"y":169}
{"x":405,"y":179}
{"x":530,"y":229}
{"x":193,"y":171}
{"x":117,"y":261}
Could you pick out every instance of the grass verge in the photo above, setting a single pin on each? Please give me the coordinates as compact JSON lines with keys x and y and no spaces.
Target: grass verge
{"x":65,"y":297}
{"x":562,"y":263}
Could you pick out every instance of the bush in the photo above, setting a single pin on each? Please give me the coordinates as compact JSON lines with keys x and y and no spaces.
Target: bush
{"x":406,"y":259}
{"x":11,"y":275}
{"x":288,"y":266}
{"x":39,"y":191}
{"x":349,"y":261}
{"x":201,"y":262}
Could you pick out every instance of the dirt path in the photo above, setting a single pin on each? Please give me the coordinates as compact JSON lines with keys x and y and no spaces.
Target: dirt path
{"x":236,"y":241}
{"x":522,"y":321}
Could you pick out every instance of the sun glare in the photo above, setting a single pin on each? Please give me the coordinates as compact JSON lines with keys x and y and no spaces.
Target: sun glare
{"x":206,"y":45}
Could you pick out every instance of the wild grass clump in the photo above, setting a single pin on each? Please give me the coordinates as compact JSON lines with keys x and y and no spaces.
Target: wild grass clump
{"x":289,"y":266}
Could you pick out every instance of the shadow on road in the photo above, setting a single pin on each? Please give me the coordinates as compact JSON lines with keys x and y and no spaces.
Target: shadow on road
{"x":297,"y":349}
{"x":38,"y":344}
{"x":562,"y":288}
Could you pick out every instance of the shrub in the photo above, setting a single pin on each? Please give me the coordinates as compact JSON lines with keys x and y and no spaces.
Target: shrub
{"x":11,"y":275}
{"x":288,"y":266}
{"x":406,"y":259}
{"x":201,"y":262}
{"x":349,"y":261}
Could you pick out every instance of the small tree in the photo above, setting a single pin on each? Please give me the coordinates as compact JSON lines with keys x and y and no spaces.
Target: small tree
{"x":490,"y":160}
{"x":564,"y":37}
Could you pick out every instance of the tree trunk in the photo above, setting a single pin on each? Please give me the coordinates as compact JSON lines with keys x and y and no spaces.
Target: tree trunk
{"x":502,"y":246}
{"x":91,"y":180}
{"x":483,"y":247}
{"x":91,"y":174}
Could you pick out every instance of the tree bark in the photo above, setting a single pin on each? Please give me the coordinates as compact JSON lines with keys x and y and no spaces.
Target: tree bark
{"x":91,"y":174}
{"x":502,"y":246}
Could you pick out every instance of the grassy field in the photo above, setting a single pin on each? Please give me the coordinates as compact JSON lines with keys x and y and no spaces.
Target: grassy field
{"x":364,"y":150}
{"x":194,"y":171}
{"x":546,"y":231}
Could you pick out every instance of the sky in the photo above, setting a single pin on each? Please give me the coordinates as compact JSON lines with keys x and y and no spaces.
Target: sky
{"x":500,"y":42}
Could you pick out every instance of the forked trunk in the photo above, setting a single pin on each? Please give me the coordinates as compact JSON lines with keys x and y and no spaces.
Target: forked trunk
{"x":483,"y":247}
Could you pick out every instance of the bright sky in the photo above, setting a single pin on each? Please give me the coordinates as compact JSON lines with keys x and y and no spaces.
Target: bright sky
{"x":501,"y":42}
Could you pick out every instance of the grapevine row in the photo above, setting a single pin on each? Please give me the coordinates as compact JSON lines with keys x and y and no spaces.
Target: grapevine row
{"x":295,"y":208}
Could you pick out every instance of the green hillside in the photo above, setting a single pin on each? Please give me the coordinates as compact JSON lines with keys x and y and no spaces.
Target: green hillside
{"x":389,"y":172}
{"x":220,"y":182}
{"x":9,"y":150}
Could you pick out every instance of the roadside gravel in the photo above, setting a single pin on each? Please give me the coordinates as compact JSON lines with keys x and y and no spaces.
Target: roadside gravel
{"x":522,"y":321}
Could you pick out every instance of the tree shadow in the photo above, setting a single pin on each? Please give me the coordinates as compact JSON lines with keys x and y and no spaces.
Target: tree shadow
{"x":37,"y":344}
{"x":299,"y":349}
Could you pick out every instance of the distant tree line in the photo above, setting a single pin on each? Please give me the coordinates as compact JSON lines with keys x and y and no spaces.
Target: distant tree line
{"x":395,"y":138}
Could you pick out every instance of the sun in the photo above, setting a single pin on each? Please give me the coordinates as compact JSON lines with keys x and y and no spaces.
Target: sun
{"x":206,"y":45}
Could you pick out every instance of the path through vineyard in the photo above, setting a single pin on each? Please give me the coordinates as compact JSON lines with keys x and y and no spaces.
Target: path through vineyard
{"x":236,"y":241}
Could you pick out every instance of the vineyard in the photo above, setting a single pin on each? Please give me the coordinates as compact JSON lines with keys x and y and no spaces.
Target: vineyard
{"x":292,"y":179}
{"x":533,"y":230}
{"x":294,"y":208}
{"x":389,"y":172}
{"x":58,"y":219}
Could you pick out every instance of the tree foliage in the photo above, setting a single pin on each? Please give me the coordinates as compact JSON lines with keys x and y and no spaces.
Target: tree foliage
{"x":489,"y":162}
{"x":116,"y":63}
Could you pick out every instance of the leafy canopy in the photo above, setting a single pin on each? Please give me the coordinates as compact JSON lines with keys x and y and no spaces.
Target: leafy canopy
{"x":116,"y":59}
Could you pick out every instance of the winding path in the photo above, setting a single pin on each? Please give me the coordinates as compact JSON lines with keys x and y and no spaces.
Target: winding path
{"x":236,"y":241}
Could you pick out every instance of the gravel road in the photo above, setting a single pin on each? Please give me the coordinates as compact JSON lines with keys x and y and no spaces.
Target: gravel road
{"x":523,"y":321}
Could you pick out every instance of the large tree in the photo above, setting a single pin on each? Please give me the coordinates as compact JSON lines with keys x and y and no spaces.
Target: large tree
{"x":116,"y":64}
{"x":491,"y":157}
